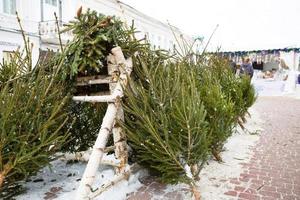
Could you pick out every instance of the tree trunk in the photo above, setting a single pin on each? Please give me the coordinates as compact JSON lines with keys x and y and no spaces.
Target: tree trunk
{"x":6,"y":169}
{"x":217,"y":156}
{"x":121,"y":152}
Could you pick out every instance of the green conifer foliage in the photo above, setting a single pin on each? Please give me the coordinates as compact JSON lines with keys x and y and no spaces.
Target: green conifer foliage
{"x":84,"y":124}
{"x":238,"y":89}
{"x":165,"y":119}
{"x":226,"y":99}
{"x":94,"y":37}
{"x":220,"y":110}
{"x":162,"y":88}
{"x":32,"y":114}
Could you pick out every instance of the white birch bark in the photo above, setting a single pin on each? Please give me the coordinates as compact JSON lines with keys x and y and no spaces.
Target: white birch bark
{"x":108,"y":121}
{"x":93,"y":99}
{"x":121,"y":152}
{"x":118,"y":134}
{"x":97,"y":153}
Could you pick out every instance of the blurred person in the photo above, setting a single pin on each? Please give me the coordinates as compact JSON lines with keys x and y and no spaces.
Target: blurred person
{"x":247,"y":67}
{"x":233,"y":66}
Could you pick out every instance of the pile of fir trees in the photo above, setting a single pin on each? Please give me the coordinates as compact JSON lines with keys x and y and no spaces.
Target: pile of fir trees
{"x":32,"y":115}
{"x":179,"y":111}
{"x":36,"y":99}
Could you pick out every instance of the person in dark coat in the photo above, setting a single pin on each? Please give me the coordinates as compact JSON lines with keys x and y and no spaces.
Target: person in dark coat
{"x":247,"y":68}
{"x":232,"y":65}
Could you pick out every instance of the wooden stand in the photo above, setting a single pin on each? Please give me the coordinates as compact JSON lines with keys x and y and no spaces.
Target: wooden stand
{"x":119,"y":70}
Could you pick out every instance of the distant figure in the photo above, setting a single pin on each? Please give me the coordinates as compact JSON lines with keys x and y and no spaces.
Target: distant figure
{"x":232,"y":66}
{"x":247,"y":68}
{"x":238,"y":71}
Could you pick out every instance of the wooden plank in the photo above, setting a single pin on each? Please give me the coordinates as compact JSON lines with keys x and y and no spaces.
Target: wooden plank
{"x":103,"y":80}
{"x":93,"y":99}
{"x":101,"y":93}
{"x":87,"y":78}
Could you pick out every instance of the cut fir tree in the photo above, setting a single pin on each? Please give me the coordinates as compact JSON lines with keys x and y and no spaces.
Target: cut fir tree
{"x":94,"y":37}
{"x":165,"y":120}
{"x":32,"y":114}
{"x":85,"y":58}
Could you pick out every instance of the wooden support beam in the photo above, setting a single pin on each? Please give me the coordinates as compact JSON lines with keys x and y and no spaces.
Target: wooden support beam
{"x":121,"y":152}
{"x":111,"y":163}
{"x":97,"y":153}
{"x":118,"y":178}
{"x":106,"y":127}
{"x":94,"y":99}
{"x":88,"y":78}
{"x":105,"y":80}
{"x":109,"y":149}
{"x":104,"y":187}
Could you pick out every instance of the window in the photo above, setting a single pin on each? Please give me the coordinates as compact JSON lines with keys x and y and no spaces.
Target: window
{"x":9,"y":7}
{"x":51,"y":2}
{"x":7,"y":56}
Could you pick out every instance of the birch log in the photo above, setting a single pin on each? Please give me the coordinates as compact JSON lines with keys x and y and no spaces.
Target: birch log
{"x":106,"y":127}
{"x":118,"y":178}
{"x":106,"y":186}
{"x":118,"y":134}
{"x":93,"y":99}
{"x":121,"y":152}
{"x":97,"y":153}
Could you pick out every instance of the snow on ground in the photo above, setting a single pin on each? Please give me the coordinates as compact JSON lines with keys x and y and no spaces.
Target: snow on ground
{"x":62,"y":180}
{"x":215,"y":176}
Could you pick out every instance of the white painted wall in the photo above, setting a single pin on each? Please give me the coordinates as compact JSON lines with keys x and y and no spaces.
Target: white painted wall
{"x":159,"y":34}
{"x":49,"y":11}
{"x":10,"y":41}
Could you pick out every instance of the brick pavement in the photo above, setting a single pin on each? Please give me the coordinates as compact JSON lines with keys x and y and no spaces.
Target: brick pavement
{"x":273,"y":172}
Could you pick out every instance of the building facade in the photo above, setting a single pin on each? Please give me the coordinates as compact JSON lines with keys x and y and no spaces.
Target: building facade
{"x":38,"y":21}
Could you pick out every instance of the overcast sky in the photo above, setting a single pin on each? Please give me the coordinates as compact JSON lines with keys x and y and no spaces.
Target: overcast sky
{"x":243,"y":24}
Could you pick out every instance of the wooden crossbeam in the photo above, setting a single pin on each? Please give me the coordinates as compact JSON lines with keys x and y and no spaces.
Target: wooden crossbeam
{"x":94,"y":99}
{"x":88,"y":78}
{"x":104,"y":80}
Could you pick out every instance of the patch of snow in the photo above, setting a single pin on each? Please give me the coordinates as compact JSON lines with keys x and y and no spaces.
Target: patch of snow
{"x":188,"y":172}
{"x":214,"y":178}
{"x":62,"y":181}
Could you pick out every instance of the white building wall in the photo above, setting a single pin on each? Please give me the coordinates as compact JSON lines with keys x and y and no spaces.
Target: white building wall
{"x":10,"y":35}
{"x":158,"y":33}
{"x":13,"y":41}
{"x":49,"y":11}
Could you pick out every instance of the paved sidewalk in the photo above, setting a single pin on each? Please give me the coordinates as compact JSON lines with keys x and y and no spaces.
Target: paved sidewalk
{"x":274,"y":169}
